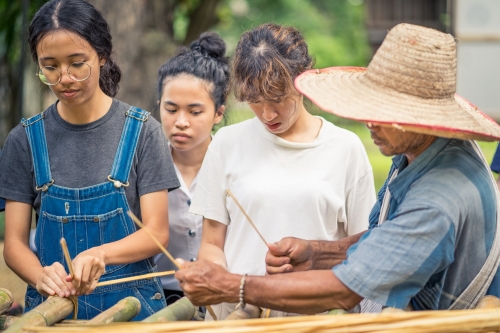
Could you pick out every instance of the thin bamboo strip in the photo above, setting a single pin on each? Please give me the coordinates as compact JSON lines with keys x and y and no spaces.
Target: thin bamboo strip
{"x":407,"y":322}
{"x":164,"y":250}
{"x":246,"y":215}
{"x":64,"y":247}
{"x":134,"y":278}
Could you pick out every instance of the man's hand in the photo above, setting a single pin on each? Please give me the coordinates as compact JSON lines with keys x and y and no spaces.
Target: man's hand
{"x":206,"y":283}
{"x":289,"y":255}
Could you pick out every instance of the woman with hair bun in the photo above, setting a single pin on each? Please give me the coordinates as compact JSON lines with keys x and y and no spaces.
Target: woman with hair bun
{"x":82,"y":164}
{"x":295,"y":174}
{"x":192,"y":89}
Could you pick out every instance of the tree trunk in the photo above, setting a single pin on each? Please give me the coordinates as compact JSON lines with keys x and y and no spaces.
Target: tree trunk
{"x":124,"y":310}
{"x":201,"y":19}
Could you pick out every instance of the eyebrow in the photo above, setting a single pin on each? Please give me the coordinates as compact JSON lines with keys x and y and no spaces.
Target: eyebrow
{"x":70,"y":56}
{"x":189,"y":105}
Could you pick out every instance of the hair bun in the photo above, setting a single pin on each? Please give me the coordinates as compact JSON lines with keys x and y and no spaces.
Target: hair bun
{"x":210,"y":44}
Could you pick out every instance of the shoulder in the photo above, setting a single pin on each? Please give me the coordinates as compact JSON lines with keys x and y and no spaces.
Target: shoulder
{"x":337,"y":133}
{"x":236,"y":130}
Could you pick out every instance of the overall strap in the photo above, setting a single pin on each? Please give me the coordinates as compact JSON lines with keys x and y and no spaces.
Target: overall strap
{"x":127,"y":146}
{"x":35,"y":132}
{"x":469,"y":298}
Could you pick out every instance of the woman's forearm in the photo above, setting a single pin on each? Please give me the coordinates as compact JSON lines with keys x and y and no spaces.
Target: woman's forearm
{"x":212,"y":253}
{"x":22,"y":261}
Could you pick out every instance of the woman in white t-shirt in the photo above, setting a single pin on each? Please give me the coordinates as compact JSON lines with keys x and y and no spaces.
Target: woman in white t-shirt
{"x":295,"y":174}
{"x":193,"y":88}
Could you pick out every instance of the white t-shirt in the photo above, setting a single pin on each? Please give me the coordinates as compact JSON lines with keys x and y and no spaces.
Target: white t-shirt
{"x":185,"y":231}
{"x":317,"y":191}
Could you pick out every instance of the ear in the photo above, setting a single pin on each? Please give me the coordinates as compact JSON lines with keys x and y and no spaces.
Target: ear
{"x":219,"y":114}
{"x":102,"y":61}
{"x":158,"y":102}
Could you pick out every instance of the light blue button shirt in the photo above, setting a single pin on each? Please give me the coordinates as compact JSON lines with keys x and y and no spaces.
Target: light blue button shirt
{"x":438,"y":233}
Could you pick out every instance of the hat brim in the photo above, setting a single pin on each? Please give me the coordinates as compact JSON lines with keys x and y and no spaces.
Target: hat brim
{"x":346,"y":92}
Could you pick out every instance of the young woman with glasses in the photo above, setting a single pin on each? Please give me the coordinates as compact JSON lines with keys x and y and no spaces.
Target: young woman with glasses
{"x":82,"y":164}
{"x":192,"y":88}
{"x":295,"y":174}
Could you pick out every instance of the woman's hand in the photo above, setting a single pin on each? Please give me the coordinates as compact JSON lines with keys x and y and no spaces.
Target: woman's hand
{"x":88,"y":267}
{"x":53,"y":280}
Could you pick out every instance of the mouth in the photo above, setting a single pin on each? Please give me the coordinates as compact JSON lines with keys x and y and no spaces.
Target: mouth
{"x":273,"y":126}
{"x":180,"y":137}
{"x":69,"y":92}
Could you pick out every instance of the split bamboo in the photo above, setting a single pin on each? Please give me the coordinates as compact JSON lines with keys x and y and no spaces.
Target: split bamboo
{"x":7,"y":321}
{"x":249,"y":312}
{"x":181,"y":310}
{"x":46,"y":314}
{"x":6,"y":300}
{"x":124,"y":310}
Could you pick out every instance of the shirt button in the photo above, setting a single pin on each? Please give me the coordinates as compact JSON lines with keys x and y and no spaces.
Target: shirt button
{"x":65,"y":220}
{"x":192,"y":233}
{"x":157,"y":296}
{"x":96,"y":219}
{"x":192,"y":259}
{"x":189,"y":202}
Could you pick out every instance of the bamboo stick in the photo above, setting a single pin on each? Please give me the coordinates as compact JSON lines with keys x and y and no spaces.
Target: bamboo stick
{"x":164,"y":250}
{"x":64,"y":247}
{"x":134,"y":278}
{"x":246,"y":215}
{"x":124,"y":310}
{"x":6,"y":300}
{"x":249,"y":312}
{"x":181,"y":310}
{"x":46,"y":314}
{"x":7,"y":321}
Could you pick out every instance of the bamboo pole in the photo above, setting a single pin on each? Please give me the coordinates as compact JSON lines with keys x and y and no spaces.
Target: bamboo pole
{"x":248,"y":312}
{"x":7,"y":321}
{"x":164,"y":250}
{"x":124,"y":310}
{"x":6,"y":300}
{"x":46,"y":314}
{"x":181,"y":310}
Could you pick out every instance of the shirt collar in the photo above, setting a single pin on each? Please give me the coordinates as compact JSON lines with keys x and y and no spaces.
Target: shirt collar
{"x":408,"y":173}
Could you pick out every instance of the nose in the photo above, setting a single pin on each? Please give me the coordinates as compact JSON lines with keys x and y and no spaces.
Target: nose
{"x":268,"y":113}
{"x":65,"y":78}
{"x":182,"y":120}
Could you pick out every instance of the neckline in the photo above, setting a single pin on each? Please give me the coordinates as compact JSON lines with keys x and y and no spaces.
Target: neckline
{"x":322,"y":136}
{"x":88,"y":126}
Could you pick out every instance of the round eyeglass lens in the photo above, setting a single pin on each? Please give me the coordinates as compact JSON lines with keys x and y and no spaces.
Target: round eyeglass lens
{"x":77,"y":71}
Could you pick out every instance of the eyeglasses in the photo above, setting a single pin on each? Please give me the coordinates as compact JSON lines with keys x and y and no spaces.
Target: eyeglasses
{"x":77,"y":71}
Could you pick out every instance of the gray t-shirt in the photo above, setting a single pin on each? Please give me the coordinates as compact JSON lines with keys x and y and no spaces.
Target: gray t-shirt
{"x":82,"y":155}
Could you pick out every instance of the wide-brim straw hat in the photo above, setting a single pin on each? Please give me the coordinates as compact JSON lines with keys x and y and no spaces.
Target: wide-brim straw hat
{"x":409,"y":84}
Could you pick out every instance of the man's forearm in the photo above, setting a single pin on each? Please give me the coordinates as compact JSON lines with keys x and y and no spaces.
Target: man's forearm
{"x":301,"y":292}
{"x":328,"y":254}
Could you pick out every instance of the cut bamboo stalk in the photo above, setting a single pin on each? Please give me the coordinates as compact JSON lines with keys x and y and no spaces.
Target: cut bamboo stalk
{"x":164,"y":250}
{"x":248,"y":312}
{"x":46,"y":314}
{"x":337,"y":312}
{"x":7,"y":321}
{"x":134,"y":278}
{"x":6,"y":300}
{"x":124,"y":310}
{"x":246,"y":215}
{"x":181,"y":310}
{"x":488,"y":302}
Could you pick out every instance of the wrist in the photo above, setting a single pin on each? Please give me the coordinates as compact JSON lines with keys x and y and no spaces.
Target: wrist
{"x":314,"y":247}
{"x":233,"y":282}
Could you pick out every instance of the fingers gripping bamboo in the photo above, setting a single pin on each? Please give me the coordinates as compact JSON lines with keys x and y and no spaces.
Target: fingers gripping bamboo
{"x":246,"y":215}
{"x":73,"y":298}
{"x":164,"y":250}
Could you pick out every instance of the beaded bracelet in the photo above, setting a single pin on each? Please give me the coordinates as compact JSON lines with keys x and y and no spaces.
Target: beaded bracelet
{"x":242,"y":304}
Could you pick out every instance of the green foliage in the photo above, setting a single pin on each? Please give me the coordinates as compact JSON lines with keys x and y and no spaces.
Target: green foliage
{"x":11,"y":27}
{"x":334,"y":30}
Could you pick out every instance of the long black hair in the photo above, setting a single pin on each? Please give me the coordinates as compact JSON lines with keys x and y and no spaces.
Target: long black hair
{"x":80,"y":17}
{"x":203,"y":59}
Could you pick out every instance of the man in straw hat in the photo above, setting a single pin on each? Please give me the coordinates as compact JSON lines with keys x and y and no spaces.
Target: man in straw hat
{"x":433,"y":241}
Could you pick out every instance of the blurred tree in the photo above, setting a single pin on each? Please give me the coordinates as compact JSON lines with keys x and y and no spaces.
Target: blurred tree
{"x":11,"y":60}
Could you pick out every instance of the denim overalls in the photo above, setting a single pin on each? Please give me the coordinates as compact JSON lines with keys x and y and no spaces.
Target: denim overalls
{"x":88,"y":217}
